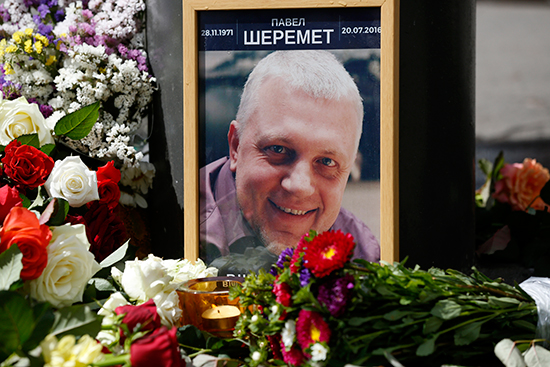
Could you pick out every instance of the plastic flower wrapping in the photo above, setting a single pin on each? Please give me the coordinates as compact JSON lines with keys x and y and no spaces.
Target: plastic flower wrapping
{"x":512,"y":218}
{"x":319,"y":308}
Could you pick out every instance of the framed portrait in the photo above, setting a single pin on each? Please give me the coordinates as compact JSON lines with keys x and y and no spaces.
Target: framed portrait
{"x":225,"y":40}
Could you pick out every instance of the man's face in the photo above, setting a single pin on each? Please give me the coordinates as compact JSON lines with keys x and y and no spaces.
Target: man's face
{"x":292,"y":163}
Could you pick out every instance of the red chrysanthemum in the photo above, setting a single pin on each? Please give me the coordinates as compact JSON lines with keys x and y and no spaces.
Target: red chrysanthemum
{"x":295,"y":262}
{"x":328,"y":251}
{"x":283,"y":292}
{"x":311,"y":329}
{"x":293,"y":357}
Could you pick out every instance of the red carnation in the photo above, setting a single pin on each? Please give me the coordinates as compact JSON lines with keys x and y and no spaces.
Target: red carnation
{"x":311,"y":329}
{"x":27,"y":166}
{"x":328,"y":251}
{"x":295,"y":261}
{"x":9,"y":197}
{"x":159,"y":348}
{"x":275,"y":343}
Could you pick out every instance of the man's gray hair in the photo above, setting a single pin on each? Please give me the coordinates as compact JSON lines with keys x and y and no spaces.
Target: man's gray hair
{"x":317,"y":73}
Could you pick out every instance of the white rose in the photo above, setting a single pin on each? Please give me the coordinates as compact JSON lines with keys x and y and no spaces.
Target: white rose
{"x":19,"y":117}
{"x":183,"y":270}
{"x":168,"y":307}
{"x":73,"y":181}
{"x":70,"y":267}
{"x":144,"y":279}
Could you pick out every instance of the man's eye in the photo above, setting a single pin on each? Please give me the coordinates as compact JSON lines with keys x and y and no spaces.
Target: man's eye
{"x":327,"y":162}
{"x":279,"y":149}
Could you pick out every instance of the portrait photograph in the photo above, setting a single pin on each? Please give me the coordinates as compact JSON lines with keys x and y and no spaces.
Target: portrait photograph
{"x":314,"y":42}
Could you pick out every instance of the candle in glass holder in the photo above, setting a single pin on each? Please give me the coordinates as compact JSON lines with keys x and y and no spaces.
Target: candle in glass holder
{"x":220,"y":318}
{"x":199,"y":299}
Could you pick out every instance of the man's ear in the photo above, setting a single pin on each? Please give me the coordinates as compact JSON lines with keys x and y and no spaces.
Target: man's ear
{"x":233,"y":138}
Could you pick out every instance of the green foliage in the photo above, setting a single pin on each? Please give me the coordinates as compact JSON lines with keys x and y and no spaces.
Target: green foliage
{"x":413,"y":316}
{"x":10,"y":267}
{"x":77,"y":125}
{"x":22,"y":324}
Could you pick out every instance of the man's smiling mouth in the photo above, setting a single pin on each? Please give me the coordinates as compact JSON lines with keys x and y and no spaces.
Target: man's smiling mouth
{"x":293,"y":211}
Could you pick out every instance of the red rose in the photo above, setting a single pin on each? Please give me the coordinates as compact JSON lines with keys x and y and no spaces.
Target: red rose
{"x":26,"y":165}
{"x":159,"y":348}
{"x":107,"y":184}
{"x":145,"y":315}
{"x":9,"y":197}
{"x":104,"y":229}
{"x":21,"y":227}
{"x":108,"y":172}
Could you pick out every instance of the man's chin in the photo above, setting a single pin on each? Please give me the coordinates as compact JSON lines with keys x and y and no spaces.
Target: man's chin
{"x":276,"y":246}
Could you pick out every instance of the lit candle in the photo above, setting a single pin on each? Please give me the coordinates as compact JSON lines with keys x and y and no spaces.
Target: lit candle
{"x":223,"y":317}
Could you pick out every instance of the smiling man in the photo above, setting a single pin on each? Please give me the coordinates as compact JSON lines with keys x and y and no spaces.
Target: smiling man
{"x":291,"y":150}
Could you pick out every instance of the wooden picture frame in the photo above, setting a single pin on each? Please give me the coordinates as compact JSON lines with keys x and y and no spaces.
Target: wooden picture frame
{"x":389,"y":110}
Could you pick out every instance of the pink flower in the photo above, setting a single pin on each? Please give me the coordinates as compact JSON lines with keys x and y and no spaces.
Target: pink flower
{"x":521,"y":184}
{"x":311,"y":329}
{"x":293,"y":357}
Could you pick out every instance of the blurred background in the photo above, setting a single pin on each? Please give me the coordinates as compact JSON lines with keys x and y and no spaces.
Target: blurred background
{"x":512,"y":81}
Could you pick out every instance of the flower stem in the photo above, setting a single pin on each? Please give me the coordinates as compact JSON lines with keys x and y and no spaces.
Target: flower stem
{"x":112,"y":360}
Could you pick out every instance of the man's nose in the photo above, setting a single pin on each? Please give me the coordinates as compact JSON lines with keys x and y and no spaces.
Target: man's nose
{"x":299,"y":179}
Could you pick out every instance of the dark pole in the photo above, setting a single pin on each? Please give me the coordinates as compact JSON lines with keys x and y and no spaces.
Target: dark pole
{"x":437,"y":134}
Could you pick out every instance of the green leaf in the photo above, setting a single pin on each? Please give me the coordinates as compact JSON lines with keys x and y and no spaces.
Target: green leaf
{"x":10,"y":267}
{"x":47,"y":148}
{"x":503,"y":302}
{"x":30,"y":139}
{"x":446,"y":309}
{"x":55,"y":213}
{"x":427,"y":347}
{"x":16,"y":321}
{"x":77,"y":320}
{"x":432,"y":325}
{"x":467,"y":333}
{"x":116,"y":256}
{"x":102,"y":285}
{"x":396,"y":314}
{"x":43,"y":322}
{"x":77,"y":125}
{"x":485,"y":166}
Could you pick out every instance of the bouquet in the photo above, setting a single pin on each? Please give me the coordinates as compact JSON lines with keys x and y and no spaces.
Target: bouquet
{"x":59,"y":57}
{"x":512,"y":219}
{"x":316,"y":307}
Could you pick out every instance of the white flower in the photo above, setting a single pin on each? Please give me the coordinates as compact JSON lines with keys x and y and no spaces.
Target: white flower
{"x":256,"y":356}
{"x":254,"y":318}
{"x":183,"y":270}
{"x":168,"y":307}
{"x":288,"y":334}
{"x":69,"y":352}
{"x":19,"y":117}
{"x":144,"y":279}
{"x":318,"y":352}
{"x":73,"y":181}
{"x":70,"y":267}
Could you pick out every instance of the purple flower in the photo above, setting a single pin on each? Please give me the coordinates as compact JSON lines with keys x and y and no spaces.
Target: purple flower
{"x":43,"y":10}
{"x":305,"y":275}
{"x":46,"y":110}
{"x":4,"y":14}
{"x":285,"y":256}
{"x":335,"y":294}
{"x":59,"y":15}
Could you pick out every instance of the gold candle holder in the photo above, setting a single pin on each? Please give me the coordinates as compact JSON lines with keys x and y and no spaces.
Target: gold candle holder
{"x":205,"y":303}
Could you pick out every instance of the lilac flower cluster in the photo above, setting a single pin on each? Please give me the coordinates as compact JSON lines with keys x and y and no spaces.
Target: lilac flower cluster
{"x":335,"y":293}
